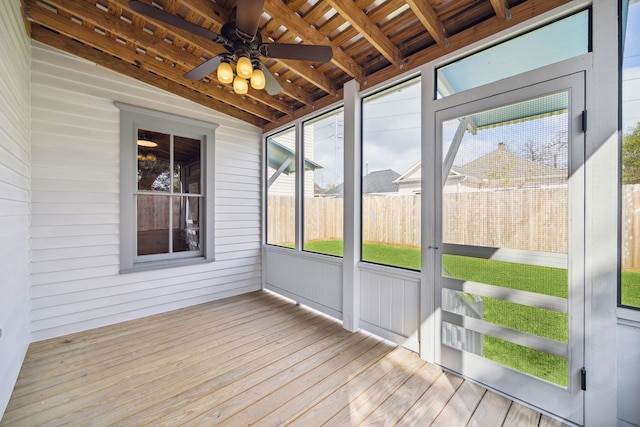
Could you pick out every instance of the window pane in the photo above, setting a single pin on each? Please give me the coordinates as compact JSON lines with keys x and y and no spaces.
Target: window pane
{"x":281,"y":189}
{"x":153,"y":161}
{"x":323,"y":183}
{"x":186,"y":166}
{"x":153,"y":224}
{"x":186,"y":214}
{"x":630,"y":239}
{"x":391,"y":184}
{"x":552,"y":43}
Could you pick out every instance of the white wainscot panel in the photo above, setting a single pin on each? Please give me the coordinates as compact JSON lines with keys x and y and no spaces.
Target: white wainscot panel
{"x":310,"y":279}
{"x":389,"y":304}
{"x":628,"y":340}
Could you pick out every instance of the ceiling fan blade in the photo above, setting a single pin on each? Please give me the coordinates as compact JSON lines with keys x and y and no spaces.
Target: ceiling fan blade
{"x":204,"y":69}
{"x":272,"y":87}
{"x":303,"y":52}
{"x":176,"y":21}
{"x":248,"y":14}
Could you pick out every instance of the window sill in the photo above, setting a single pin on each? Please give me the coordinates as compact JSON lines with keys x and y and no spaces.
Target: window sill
{"x":158,"y":265}
{"x":628,"y":314}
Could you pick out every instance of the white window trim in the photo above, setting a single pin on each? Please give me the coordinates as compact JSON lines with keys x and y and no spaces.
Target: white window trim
{"x":132,"y":118}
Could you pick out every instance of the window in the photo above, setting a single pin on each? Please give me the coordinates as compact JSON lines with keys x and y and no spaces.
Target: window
{"x":323,"y":184}
{"x":391,"y":181}
{"x":630,"y":153}
{"x":281,"y":189}
{"x":564,"y":39}
{"x":166,"y":198}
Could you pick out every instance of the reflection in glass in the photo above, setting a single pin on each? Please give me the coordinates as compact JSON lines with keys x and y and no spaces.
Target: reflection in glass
{"x":323,"y":183}
{"x":391,"y":176}
{"x":153,"y":224}
{"x":154,"y":161}
{"x":281,"y":189}
{"x":630,"y":176}
{"x":169,"y":166}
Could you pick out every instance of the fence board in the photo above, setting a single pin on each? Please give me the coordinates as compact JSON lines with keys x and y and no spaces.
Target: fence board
{"x":527,"y":219}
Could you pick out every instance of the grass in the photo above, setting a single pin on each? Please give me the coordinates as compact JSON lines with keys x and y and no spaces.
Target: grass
{"x":631,"y":288}
{"x":540,"y":322}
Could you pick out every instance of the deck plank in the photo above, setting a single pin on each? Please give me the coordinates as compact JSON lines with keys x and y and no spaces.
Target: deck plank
{"x":521,"y":416}
{"x":491,"y":411}
{"x":371,"y":398}
{"x":253,"y":359}
{"x":397,"y":405}
{"x":461,"y":406}
{"x":432,"y":402}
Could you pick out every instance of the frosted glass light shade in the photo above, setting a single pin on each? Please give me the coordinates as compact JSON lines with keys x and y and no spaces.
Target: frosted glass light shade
{"x":244,"y":67}
{"x":240,"y":85}
{"x":225,"y":73}
{"x":257,"y":79}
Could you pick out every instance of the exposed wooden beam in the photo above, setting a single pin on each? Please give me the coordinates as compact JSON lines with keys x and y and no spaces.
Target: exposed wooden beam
{"x":368,"y":29}
{"x":64,"y":43}
{"x":502,"y":9}
{"x":430,"y":20}
{"x":294,"y":23}
{"x":68,"y":27}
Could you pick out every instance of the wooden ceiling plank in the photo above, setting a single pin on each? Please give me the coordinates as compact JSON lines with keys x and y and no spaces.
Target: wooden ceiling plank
{"x":429,"y":18}
{"x":368,"y":29}
{"x":50,"y":19}
{"x":66,"y":44}
{"x":502,"y":9}
{"x":306,"y":32}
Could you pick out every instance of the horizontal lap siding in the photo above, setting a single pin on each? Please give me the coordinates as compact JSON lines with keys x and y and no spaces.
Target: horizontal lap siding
{"x":14,"y":196}
{"x":75,"y":234}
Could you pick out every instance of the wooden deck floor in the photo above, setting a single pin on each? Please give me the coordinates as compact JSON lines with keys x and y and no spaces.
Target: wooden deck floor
{"x":254,"y":359}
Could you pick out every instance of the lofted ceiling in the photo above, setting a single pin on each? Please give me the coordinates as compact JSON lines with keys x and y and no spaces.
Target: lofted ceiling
{"x":372,"y":41}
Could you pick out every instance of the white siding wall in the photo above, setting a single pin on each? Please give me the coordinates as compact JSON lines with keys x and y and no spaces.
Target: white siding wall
{"x":14,"y":196}
{"x":75,"y":170}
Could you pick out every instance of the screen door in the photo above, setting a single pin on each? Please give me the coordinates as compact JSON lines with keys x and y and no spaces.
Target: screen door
{"x":509,"y":261}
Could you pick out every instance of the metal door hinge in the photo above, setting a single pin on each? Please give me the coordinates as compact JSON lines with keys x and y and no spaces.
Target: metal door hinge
{"x":583,"y":379}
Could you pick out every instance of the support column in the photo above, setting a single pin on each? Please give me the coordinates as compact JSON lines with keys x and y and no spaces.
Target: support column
{"x":352,"y":206}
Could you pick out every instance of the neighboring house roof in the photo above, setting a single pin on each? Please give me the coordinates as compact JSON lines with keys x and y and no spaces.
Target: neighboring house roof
{"x":506,"y":167}
{"x":375,"y":182}
{"x":499,"y":166}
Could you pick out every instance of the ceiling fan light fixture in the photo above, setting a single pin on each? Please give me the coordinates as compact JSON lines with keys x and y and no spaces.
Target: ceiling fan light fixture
{"x":244,"y":68}
{"x":240,"y":86}
{"x":225,"y":73}
{"x":258,"y":80}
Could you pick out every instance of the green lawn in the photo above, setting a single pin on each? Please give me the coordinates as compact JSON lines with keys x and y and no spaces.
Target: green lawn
{"x":543,"y":280}
{"x":631,"y":288}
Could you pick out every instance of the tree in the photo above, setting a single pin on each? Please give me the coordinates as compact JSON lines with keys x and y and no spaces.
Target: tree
{"x":631,"y":157}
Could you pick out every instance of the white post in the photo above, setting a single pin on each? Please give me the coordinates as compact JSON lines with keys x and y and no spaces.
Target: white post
{"x":352,"y":207}
{"x":601,"y":218}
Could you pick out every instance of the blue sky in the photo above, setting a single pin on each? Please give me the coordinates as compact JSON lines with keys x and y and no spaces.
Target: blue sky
{"x":631,"y":69}
{"x":391,"y":124}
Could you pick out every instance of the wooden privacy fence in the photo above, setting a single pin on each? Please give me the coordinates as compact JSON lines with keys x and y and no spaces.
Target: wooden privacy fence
{"x":630,"y":226}
{"x":527,"y":219}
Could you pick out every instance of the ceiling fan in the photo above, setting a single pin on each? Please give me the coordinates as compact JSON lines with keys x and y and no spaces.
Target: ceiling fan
{"x":241,"y":38}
